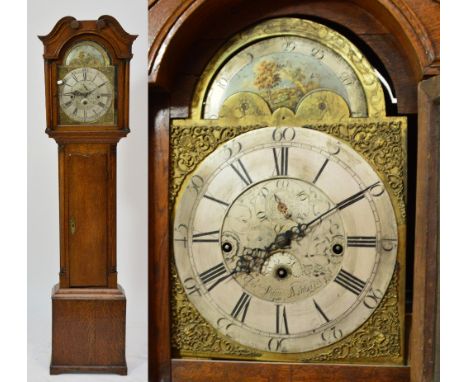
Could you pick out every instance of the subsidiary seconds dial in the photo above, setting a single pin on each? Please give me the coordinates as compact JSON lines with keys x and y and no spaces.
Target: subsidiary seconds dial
{"x":285,"y":239}
{"x":86,"y":94}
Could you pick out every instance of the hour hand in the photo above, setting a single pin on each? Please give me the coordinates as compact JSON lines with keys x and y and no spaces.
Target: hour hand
{"x":75,"y":93}
{"x":284,"y":239}
{"x":251,"y":260}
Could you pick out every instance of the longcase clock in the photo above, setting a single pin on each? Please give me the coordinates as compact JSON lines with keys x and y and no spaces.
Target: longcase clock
{"x":87,"y":100}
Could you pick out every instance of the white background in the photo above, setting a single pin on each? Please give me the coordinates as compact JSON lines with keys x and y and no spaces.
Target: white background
{"x":43,"y":215}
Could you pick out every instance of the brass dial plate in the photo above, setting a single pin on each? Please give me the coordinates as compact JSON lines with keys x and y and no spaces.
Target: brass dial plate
{"x":265,"y":293}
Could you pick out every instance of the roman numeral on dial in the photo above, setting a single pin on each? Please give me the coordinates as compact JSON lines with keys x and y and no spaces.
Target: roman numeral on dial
{"x":350,"y":282}
{"x":240,"y":310}
{"x":214,"y":275}
{"x":240,"y":170}
{"x":320,"y":310}
{"x":281,"y":320}
{"x":202,"y":237}
{"x":281,"y":160}
{"x":216,"y":200}
{"x":362,"y":241}
{"x":320,"y":171}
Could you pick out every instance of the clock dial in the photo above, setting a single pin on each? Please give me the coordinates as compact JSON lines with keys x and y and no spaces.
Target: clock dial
{"x":283,"y":71}
{"x":285,"y":239}
{"x":86,"y":94}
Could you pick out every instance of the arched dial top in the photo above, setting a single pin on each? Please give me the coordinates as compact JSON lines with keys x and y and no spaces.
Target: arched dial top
{"x":285,"y":239}
{"x":283,"y":71}
{"x":283,"y":62}
{"x":86,"y":84}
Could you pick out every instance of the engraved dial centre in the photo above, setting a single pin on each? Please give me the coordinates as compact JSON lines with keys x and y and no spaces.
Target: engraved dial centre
{"x":297,"y":268}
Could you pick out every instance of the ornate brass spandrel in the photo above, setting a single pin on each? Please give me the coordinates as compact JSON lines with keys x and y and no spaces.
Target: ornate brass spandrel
{"x":191,"y":334}
{"x":378,"y":340}
{"x":295,"y":27}
{"x":382,"y":142}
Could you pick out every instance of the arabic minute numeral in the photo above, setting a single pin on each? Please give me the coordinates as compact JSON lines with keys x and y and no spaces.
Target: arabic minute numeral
{"x":275,"y":344}
{"x":317,"y":53}
{"x":222,"y":83}
{"x":231,"y":149}
{"x":191,"y":286}
{"x":283,"y":134}
{"x":182,"y":229}
{"x":332,"y":334}
{"x":197,"y":183}
{"x":346,"y":79}
{"x":373,"y":298}
{"x":289,"y":46}
{"x":261,"y":215}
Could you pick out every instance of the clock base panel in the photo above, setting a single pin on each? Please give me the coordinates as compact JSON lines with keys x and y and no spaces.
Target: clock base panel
{"x":234,"y":371}
{"x":88,"y":330}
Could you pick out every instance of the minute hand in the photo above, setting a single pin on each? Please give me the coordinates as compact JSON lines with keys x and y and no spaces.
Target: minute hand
{"x":343,"y":204}
{"x":283,"y":239}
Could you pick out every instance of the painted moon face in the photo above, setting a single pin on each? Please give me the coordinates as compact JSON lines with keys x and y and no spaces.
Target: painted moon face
{"x":283,"y":71}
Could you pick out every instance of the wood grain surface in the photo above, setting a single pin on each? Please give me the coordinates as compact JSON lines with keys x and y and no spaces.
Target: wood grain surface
{"x":222,"y":371}
{"x":401,"y":39}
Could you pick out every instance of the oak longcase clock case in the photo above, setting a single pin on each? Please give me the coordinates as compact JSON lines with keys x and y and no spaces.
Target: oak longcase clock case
{"x":87,"y":96}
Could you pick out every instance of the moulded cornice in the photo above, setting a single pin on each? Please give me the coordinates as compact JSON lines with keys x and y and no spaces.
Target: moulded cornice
{"x":396,"y":15}
{"x":106,"y":27}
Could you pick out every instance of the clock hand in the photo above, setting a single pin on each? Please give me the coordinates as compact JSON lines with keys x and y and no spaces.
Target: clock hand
{"x":344,"y":203}
{"x":283,"y":240}
{"x":254,"y":258}
{"x":74,"y":93}
{"x":97,"y":87}
{"x":282,"y":207}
